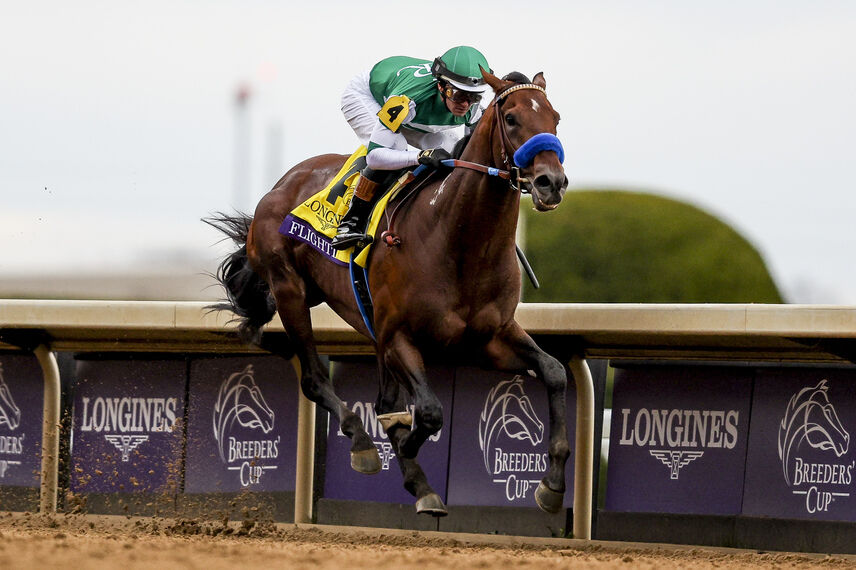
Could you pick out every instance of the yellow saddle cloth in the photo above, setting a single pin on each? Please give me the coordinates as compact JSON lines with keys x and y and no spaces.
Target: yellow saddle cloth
{"x":316,"y":220}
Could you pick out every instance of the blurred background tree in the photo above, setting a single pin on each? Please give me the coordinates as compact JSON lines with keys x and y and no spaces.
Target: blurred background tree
{"x":613,"y":246}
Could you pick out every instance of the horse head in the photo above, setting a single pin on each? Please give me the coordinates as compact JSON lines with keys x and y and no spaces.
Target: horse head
{"x":240,"y":400}
{"x":10,"y":414}
{"x":810,"y":417}
{"x":508,"y":410}
{"x":525,"y":123}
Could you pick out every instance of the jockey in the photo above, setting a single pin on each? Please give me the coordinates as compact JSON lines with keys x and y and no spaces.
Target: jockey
{"x":406,"y":101}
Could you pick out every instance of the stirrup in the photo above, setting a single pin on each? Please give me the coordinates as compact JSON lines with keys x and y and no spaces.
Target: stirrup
{"x":352,"y":228}
{"x":344,"y":241}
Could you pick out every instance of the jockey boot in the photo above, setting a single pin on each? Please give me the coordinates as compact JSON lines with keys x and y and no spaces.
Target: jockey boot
{"x":353,"y":226}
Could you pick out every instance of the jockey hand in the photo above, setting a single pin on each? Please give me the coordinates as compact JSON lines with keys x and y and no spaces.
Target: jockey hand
{"x":433,"y":156}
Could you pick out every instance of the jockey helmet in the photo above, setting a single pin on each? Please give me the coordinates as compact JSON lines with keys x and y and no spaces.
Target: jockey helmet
{"x":460,"y":67}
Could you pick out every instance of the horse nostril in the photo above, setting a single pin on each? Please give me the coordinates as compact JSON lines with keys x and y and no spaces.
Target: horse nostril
{"x":543,"y":182}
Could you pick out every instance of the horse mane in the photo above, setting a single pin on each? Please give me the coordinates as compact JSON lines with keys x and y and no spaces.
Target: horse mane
{"x":461,"y":145}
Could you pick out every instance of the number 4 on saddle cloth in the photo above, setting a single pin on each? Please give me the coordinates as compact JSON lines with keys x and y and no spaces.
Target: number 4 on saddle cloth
{"x":316,"y":220}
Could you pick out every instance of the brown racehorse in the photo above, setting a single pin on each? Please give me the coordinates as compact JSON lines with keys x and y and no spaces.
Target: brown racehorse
{"x":448,"y":291}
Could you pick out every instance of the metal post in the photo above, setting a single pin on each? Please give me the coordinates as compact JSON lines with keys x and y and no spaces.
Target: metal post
{"x":305,"y":453}
{"x":241,"y":166}
{"x":584,"y":448}
{"x":50,"y":430}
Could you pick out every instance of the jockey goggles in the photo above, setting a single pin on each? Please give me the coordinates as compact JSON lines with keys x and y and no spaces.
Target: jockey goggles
{"x":461,"y":96}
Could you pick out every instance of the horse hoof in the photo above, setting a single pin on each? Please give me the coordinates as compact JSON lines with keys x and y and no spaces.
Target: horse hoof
{"x":366,"y":461}
{"x":431,"y":504}
{"x":548,"y":500}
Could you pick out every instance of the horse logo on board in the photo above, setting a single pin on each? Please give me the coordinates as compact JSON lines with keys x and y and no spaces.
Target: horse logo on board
{"x":810,"y":418}
{"x":10,"y":417}
{"x":508,"y":417}
{"x":239,"y":410}
{"x":10,"y":414}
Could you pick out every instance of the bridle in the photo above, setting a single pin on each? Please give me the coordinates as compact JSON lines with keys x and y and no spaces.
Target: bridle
{"x":515,"y":181}
{"x":497,"y":103}
{"x":535,"y":144}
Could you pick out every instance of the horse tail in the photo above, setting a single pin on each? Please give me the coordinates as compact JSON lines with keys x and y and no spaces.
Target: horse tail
{"x":247,"y":295}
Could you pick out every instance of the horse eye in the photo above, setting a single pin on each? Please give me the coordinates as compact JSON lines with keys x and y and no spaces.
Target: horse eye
{"x":509,"y":120}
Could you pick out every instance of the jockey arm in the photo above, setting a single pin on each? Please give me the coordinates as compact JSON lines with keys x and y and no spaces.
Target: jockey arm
{"x":388,"y":150}
{"x":388,"y":147}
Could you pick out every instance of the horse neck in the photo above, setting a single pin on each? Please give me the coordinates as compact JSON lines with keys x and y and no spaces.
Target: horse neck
{"x":481,"y":208}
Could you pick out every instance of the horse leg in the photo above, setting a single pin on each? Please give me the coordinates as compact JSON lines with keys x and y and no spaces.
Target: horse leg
{"x":396,"y":422}
{"x":513,"y":349}
{"x":314,"y":381}
{"x":403,"y":359}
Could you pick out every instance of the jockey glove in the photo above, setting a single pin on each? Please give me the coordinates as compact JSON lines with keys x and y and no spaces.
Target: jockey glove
{"x":433,"y":156}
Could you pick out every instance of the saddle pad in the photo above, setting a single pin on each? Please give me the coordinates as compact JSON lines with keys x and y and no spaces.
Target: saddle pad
{"x":316,"y":220}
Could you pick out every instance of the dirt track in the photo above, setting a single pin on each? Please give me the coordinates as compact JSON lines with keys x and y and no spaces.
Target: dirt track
{"x":76,"y":541}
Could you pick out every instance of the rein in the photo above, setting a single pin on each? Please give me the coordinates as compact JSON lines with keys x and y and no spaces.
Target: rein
{"x":489,"y":170}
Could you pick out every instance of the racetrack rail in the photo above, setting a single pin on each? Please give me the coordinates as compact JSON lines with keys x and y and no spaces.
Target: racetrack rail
{"x":768,"y":333}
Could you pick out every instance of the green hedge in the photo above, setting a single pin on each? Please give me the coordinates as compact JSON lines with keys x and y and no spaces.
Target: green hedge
{"x":614,"y":246}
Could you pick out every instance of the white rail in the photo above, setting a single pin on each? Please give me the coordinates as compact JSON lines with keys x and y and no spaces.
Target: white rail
{"x":711,"y":332}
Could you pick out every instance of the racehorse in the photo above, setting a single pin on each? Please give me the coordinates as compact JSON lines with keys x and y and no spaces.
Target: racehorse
{"x":809,"y":416}
{"x":240,"y":400}
{"x":447,"y":289}
{"x":509,"y":411}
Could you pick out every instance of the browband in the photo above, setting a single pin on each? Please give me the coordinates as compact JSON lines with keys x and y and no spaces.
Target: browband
{"x":518,"y":87}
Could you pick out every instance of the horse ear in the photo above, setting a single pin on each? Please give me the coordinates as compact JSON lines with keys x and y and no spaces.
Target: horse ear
{"x":492,"y":80}
{"x":539,"y":80}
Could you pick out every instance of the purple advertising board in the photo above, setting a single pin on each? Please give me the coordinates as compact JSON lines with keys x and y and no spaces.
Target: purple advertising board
{"x":21,"y":397}
{"x":801,"y":463}
{"x":357,"y":385}
{"x":241,"y":425}
{"x":128,"y":426}
{"x":500,"y":438}
{"x":678,"y":439}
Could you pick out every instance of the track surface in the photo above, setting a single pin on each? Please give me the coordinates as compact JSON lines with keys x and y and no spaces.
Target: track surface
{"x":86,"y":541}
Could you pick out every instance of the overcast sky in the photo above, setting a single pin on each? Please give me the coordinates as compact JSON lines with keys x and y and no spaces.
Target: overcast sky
{"x":118,"y":121}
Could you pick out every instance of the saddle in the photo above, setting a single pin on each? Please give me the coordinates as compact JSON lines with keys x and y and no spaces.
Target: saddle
{"x":316,"y":219}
